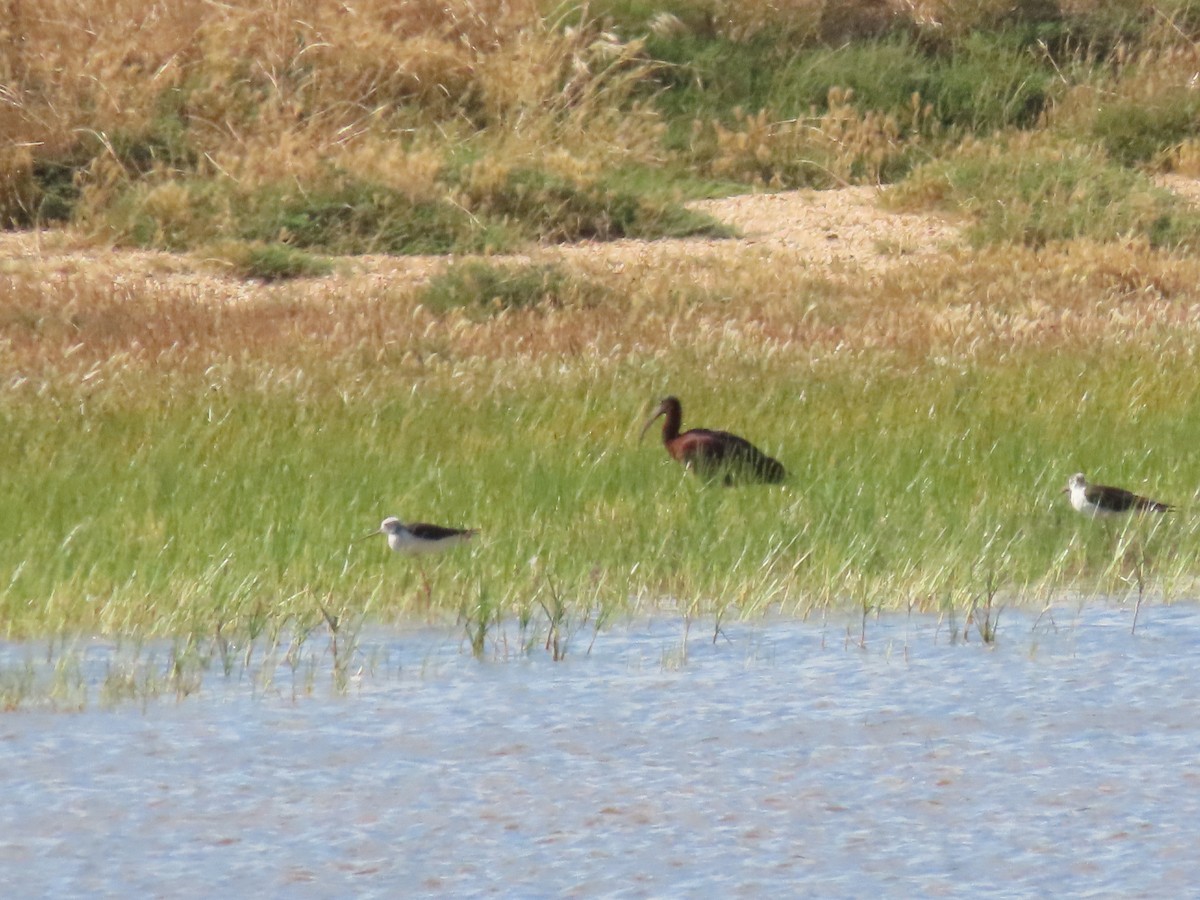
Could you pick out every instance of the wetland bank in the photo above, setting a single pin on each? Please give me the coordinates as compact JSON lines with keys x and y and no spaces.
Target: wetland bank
{"x":257,"y":303}
{"x":272,"y":272}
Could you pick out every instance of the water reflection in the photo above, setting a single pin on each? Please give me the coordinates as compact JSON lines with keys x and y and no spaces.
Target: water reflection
{"x":782,"y":758}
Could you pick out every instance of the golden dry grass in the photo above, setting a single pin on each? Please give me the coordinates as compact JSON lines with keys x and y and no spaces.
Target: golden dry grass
{"x":259,"y":94}
{"x":170,"y":125}
{"x":722,"y":299}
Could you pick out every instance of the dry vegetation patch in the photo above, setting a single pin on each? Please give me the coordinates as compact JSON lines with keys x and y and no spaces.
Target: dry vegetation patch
{"x":839,"y":231}
{"x":812,"y":273}
{"x":841,"y":237}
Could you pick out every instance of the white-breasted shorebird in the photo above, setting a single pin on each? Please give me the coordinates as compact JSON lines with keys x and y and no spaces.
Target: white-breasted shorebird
{"x":1101,"y":500}
{"x":420,"y":539}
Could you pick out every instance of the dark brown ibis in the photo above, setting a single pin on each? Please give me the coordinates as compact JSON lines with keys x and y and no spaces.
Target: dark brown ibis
{"x":712,"y":454}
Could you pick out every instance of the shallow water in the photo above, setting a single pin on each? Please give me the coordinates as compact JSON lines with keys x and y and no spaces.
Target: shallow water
{"x":782,"y":759}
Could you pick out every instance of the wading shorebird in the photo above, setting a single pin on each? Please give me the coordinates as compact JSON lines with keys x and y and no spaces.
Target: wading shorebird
{"x":712,"y":454}
{"x":420,"y":539}
{"x":1100,"y":500}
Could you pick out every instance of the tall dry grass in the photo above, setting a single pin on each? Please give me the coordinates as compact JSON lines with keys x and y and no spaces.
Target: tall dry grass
{"x":258,"y":94}
{"x":92,"y":312}
{"x":173,"y":125}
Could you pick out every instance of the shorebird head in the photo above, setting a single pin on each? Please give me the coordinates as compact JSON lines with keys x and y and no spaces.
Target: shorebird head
{"x":1075,"y":483}
{"x":662,"y":409}
{"x":390,"y":525}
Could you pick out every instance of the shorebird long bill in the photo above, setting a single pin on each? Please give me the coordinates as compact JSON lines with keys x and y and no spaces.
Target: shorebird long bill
{"x":368,"y":535}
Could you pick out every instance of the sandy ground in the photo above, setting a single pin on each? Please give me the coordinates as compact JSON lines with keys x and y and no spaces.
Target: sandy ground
{"x":842,"y":226}
{"x":839,"y":230}
{"x":842,"y":231}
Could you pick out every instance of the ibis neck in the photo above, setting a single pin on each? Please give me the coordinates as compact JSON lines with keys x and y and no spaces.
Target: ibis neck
{"x":672,"y":418}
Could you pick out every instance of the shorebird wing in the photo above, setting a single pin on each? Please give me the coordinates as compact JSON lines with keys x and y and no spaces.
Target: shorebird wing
{"x":427,"y":532}
{"x":1111,"y":499}
{"x":1115,"y":499}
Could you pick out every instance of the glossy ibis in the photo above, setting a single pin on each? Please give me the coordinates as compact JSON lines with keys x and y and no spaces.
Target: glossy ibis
{"x":1102,"y":500}
{"x":713,"y":454}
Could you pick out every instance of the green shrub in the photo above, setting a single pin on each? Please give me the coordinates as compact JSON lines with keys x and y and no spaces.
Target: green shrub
{"x":348,"y":216}
{"x":1137,"y":130}
{"x":550,"y":208}
{"x":163,"y":143}
{"x":484,"y":287}
{"x":167,"y":214}
{"x":271,"y":262}
{"x":1023,"y":192}
{"x":43,"y":192}
{"x":705,"y":76}
{"x":980,"y":83}
{"x":56,"y":192}
{"x":1098,"y":30}
{"x":988,"y":83}
{"x":354,"y":217}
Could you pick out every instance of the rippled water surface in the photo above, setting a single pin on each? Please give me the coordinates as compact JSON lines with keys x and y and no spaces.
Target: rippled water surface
{"x":781,"y":759}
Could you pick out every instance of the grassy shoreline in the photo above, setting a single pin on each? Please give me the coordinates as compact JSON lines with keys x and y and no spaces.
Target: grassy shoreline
{"x":190,"y":454}
{"x":179,"y":466}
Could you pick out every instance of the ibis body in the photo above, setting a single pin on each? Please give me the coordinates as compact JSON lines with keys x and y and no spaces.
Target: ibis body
{"x":713,"y":454}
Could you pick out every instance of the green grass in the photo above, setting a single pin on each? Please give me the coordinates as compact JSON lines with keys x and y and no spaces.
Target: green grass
{"x":1135,"y":131}
{"x":343,"y":217}
{"x":487,"y":288}
{"x":351,"y":217}
{"x":269,"y":262}
{"x":1030,"y":193}
{"x":985,"y":82}
{"x":554,"y":209}
{"x":192,"y":504}
{"x":348,"y":216}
